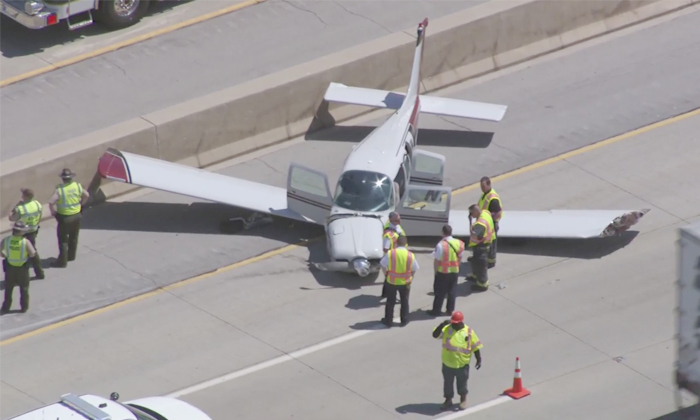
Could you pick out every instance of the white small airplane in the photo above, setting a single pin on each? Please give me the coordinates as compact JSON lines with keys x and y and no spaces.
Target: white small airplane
{"x":385,"y":172}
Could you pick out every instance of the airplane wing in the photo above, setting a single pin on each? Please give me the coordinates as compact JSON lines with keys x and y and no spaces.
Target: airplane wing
{"x":338,"y":92}
{"x":561,"y":224}
{"x":193,"y":182}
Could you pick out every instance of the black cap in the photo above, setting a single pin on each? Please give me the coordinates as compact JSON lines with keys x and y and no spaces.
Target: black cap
{"x":67,"y":173}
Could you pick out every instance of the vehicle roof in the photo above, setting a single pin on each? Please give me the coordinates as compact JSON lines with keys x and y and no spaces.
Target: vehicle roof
{"x":61,"y":411}
{"x":381,"y":150}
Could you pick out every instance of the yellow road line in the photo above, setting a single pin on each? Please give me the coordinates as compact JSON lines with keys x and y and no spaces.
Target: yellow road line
{"x":585,"y":149}
{"x":284,"y":249}
{"x":126,"y":43}
{"x":156,"y":292}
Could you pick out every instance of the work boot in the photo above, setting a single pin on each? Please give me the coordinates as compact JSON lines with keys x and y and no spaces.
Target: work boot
{"x":463,"y":403}
{"x":491,"y":265}
{"x":469,"y":259}
{"x":470,"y":277}
{"x":447,"y":404}
{"x":38,"y":269}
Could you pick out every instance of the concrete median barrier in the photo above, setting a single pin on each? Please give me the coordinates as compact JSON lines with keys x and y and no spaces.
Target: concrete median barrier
{"x":280,"y":106}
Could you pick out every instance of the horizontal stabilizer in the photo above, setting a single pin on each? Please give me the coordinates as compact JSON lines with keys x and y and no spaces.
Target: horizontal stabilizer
{"x":193,"y":182}
{"x":560,"y":224}
{"x":429,"y":104}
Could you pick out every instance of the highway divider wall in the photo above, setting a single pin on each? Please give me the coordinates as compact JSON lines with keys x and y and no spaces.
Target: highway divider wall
{"x":280,"y":106}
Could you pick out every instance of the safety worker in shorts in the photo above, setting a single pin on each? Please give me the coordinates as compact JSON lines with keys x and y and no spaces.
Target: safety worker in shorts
{"x":479,"y":242}
{"x":392,"y":231}
{"x":491,"y":201}
{"x":447,"y":260}
{"x":16,"y":251}
{"x":29,"y":211}
{"x":458,"y":343}
{"x":66,"y":205}
{"x":399,"y":265}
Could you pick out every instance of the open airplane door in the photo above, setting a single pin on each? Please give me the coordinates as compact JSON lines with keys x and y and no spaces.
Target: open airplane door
{"x":308,"y":193}
{"x":428,"y":168}
{"x":425,"y":209}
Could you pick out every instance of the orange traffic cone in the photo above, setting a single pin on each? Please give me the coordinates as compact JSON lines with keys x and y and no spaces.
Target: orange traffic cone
{"x":517,"y":391}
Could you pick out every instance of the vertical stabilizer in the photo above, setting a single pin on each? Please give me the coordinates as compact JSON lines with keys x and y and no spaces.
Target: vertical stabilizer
{"x":414,"y":83}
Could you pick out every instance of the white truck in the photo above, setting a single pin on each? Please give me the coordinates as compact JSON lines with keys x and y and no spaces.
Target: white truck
{"x":38,"y":14}
{"x":92,"y":407}
{"x":688,"y":363}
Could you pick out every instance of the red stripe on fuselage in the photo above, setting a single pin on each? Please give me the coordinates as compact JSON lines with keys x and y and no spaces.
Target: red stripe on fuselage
{"x":414,"y":115}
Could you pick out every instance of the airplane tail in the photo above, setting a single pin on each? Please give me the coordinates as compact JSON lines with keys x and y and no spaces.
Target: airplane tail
{"x":376,"y":98}
{"x":414,"y":83}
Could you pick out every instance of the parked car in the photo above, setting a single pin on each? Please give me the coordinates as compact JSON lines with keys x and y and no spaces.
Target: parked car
{"x":93,"y":407}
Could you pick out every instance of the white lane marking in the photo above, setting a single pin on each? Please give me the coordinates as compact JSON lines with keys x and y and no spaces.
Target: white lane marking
{"x":276,"y":361}
{"x":479,"y":407}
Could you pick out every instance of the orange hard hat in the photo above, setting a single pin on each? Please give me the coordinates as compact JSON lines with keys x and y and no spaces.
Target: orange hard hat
{"x":457,"y":317}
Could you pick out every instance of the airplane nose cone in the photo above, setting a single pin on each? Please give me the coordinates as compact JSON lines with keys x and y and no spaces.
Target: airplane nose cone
{"x":350,"y":238}
{"x":361,"y":266}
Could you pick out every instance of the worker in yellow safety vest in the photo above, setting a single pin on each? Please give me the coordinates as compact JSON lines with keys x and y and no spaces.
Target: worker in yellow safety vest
{"x":447,"y":260}
{"x":399,"y":266}
{"x":458,"y":343}
{"x":479,"y":242}
{"x":392,"y":231}
{"x":28,"y":210}
{"x":16,"y":251}
{"x":491,"y":201}
{"x":66,"y":205}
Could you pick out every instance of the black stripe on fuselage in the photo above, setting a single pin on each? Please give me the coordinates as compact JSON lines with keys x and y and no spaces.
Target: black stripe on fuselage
{"x":308,"y":201}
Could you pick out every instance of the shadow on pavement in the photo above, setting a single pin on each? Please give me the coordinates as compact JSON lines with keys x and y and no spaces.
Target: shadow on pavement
{"x":195,"y":218}
{"x":18,"y":41}
{"x":414,"y":316}
{"x":426,"y":136}
{"x":45,"y":264}
{"x":425,"y":409}
{"x":687,"y":413}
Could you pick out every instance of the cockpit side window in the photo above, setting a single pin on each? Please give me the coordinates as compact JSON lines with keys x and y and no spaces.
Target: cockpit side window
{"x":401,"y":180}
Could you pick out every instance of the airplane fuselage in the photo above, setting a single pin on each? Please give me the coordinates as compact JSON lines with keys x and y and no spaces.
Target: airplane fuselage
{"x":369,"y":189}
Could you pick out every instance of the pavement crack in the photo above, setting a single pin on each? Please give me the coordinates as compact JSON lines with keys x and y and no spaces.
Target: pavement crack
{"x":347,"y":388}
{"x":117,"y":66}
{"x":550,"y":322}
{"x":269,"y":166}
{"x":454,"y":123}
{"x":303,"y":9}
{"x":109,"y":257}
{"x":534,"y":384}
{"x":624,"y":190}
{"x":24,"y":393}
{"x":362,"y":16}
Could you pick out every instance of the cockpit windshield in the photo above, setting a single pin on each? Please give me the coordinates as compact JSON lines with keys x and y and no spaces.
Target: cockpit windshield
{"x":364,"y":191}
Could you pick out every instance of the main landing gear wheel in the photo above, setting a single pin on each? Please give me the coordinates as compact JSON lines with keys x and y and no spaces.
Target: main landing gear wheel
{"x":237,"y":224}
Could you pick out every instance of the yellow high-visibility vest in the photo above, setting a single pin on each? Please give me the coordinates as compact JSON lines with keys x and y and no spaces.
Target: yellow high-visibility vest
{"x":458,"y":346}
{"x":393,"y":237}
{"x":485,"y":202}
{"x":451,"y":259}
{"x":486,"y":221}
{"x":16,"y":250}
{"x":30,"y":214}
{"x":398,"y":270}
{"x":69,"y":196}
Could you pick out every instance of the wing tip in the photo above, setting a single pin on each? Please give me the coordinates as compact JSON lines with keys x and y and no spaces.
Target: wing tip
{"x":112,"y":165}
{"x":623,"y":223}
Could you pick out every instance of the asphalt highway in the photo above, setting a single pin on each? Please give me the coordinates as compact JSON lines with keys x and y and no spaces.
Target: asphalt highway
{"x":192,"y":62}
{"x":592,"y":322}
